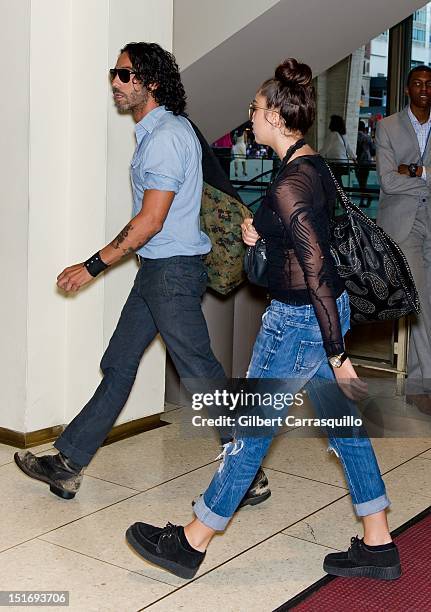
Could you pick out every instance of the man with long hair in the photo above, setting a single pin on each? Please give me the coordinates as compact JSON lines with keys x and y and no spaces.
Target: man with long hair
{"x":166,"y":175}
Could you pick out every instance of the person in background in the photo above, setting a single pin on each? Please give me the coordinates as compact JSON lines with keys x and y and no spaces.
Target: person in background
{"x":403,"y":155}
{"x":365,"y":151}
{"x":336,"y":147}
{"x":239,"y":151}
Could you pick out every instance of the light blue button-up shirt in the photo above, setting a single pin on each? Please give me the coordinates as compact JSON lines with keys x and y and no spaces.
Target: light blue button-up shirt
{"x":168,"y":157}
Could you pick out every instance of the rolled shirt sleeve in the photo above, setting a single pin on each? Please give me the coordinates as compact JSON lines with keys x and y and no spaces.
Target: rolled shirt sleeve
{"x":165,"y":162}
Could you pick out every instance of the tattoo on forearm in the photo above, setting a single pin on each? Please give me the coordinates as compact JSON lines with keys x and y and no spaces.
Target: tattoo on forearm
{"x":130,"y":250}
{"x":122,"y":236}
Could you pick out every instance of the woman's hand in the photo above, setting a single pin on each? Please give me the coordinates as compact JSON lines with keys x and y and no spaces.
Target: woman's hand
{"x":351,"y":385}
{"x":249,"y":234}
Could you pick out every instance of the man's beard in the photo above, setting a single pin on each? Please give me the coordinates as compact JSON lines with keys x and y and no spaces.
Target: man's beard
{"x":123,"y":105}
{"x":126,"y":104}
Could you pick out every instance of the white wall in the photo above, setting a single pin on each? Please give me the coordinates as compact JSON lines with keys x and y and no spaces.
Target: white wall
{"x":66,"y":192}
{"x":49,"y":200}
{"x":86,"y":213}
{"x":14,"y":107}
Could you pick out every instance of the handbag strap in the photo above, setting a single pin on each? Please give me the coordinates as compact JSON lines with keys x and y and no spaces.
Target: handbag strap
{"x":345,"y":200}
{"x":347,"y":203}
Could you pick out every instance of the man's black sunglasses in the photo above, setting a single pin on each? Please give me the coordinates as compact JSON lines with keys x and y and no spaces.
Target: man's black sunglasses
{"x":123,"y":74}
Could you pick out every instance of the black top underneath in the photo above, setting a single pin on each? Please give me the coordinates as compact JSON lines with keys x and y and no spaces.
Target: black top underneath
{"x":294,"y":220}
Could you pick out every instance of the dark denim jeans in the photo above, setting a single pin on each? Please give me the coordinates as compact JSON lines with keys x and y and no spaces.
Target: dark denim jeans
{"x":165,"y":298}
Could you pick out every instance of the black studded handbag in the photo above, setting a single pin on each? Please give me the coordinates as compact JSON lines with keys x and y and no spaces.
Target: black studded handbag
{"x":374,"y":269}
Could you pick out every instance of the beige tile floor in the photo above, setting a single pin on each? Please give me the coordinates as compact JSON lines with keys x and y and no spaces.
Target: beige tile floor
{"x":269,"y":553}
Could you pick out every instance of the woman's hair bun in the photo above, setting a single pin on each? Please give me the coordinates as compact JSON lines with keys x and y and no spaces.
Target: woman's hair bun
{"x":293,"y":73}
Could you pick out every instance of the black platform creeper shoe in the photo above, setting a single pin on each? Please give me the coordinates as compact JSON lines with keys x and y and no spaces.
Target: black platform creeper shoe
{"x":166,"y":547}
{"x":381,"y":562}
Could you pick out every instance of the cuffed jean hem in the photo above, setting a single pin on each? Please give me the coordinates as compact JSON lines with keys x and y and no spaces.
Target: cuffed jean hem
{"x":372,"y":506}
{"x":208,"y":517}
{"x":74,"y":454}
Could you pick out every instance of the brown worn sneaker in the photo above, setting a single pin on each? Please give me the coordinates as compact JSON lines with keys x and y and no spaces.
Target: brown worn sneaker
{"x":56,"y":470}
{"x":257,"y":492}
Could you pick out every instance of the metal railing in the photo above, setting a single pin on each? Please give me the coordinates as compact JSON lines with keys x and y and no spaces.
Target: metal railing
{"x":358,"y":180}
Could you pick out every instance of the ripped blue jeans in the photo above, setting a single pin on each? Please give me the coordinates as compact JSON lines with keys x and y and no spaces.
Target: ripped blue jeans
{"x":289,"y":346}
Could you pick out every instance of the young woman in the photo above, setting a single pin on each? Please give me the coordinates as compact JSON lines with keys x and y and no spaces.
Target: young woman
{"x":239,"y":151}
{"x":336,"y":146}
{"x":300,"y":341}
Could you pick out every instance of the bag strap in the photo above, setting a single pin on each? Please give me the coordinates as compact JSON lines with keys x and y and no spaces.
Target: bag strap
{"x":345,"y":200}
{"x":353,"y":209}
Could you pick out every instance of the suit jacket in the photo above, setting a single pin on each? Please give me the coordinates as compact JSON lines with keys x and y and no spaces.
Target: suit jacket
{"x":400,"y":195}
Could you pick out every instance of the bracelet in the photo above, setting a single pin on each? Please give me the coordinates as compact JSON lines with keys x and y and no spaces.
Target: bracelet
{"x":95,"y":265}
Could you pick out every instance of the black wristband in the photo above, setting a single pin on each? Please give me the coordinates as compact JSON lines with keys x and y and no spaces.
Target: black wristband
{"x":95,"y":265}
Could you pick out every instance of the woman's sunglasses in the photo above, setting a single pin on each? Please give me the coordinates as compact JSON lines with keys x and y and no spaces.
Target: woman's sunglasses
{"x":122,"y":73}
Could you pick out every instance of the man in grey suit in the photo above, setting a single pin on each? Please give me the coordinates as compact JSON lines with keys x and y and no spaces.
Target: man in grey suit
{"x":404,"y":170}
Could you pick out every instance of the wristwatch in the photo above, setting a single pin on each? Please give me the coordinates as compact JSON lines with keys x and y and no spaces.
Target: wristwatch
{"x":337,"y":361}
{"x":412,"y":168}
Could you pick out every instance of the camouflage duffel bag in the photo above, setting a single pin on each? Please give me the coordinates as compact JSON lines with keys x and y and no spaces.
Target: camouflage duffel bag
{"x":221,"y":218}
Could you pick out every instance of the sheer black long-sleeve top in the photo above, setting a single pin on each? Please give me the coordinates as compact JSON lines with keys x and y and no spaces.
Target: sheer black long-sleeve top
{"x":294,"y":220}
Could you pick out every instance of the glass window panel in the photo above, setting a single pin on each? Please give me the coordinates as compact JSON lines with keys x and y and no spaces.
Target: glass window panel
{"x":354,"y":89}
{"x":421,"y":37}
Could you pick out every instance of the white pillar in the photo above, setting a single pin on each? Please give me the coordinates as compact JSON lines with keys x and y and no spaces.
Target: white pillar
{"x":14,"y":129}
{"x":66,"y":193}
